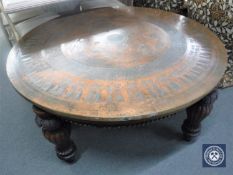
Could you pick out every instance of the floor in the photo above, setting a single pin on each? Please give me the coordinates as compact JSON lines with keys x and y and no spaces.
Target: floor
{"x":144,"y":150}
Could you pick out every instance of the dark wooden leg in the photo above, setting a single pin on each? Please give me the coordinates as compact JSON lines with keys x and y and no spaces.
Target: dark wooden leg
{"x":57,"y":132}
{"x":195,"y":114}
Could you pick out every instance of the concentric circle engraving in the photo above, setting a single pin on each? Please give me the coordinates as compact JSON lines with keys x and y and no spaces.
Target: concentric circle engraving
{"x":116,"y":64}
{"x":106,"y":49}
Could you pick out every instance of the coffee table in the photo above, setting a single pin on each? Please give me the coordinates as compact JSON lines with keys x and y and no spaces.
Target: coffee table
{"x":116,"y":67}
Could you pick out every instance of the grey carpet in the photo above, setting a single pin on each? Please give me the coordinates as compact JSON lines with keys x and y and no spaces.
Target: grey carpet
{"x":148,"y":150}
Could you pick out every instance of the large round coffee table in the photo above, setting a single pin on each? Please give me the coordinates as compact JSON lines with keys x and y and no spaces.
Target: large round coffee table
{"x":116,"y":67}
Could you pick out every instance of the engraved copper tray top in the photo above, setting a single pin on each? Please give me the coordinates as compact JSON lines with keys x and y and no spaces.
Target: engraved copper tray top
{"x":117,"y":64}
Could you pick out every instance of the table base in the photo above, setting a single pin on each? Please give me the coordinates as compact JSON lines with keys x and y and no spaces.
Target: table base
{"x":58,"y":130}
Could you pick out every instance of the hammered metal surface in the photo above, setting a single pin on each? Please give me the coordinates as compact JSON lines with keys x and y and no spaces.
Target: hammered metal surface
{"x":117,"y":64}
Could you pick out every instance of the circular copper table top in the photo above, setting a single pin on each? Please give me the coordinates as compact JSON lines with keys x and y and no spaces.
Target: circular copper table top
{"x":117,"y":64}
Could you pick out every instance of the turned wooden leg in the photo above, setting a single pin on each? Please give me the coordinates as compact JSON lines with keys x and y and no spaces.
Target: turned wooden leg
{"x":195,"y":114}
{"x":57,"y":132}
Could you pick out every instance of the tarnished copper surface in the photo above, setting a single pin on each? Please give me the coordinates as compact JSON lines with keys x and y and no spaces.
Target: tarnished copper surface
{"x":117,"y":64}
